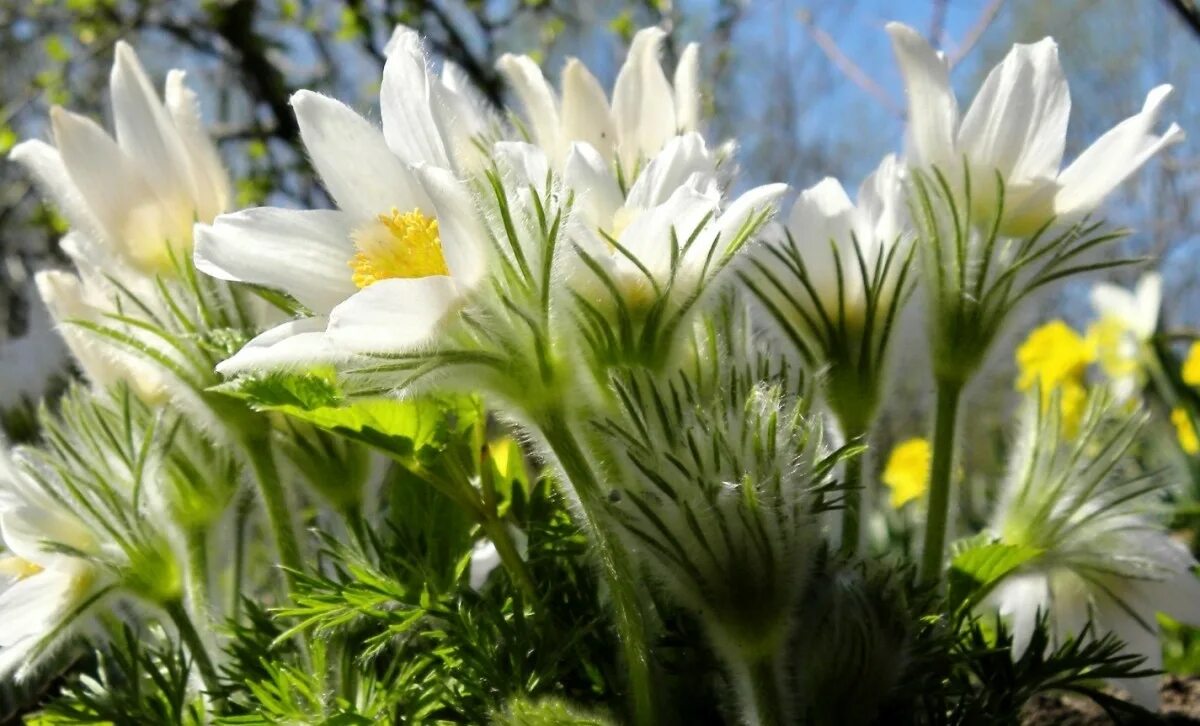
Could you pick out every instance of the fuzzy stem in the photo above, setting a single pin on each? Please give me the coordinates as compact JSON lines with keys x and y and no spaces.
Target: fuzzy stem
{"x":852,"y":500}
{"x":195,"y":645}
{"x":279,"y":516}
{"x":949,"y":392}
{"x":616,"y":568}
{"x":196,"y":540}
{"x":510,"y":557}
{"x":492,"y":524}
{"x":241,"y":519}
{"x":762,"y":694}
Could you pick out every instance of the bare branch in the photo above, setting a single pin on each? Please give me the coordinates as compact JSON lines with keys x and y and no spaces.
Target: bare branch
{"x":1189,"y":12}
{"x":976,"y":32}
{"x":848,"y":67}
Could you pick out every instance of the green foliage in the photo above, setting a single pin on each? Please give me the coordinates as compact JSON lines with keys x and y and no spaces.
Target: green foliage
{"x":979,"y":564}
{"x":546,"y":712}
{"x":140,"y":679}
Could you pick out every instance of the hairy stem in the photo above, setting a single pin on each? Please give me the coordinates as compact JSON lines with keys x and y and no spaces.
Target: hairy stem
{"x":761,"y":695}
{"x":852,"y":499}
{"x":195,"y":645}
{"x":493,"y":526}
{"x":616,"y":568}
{"x":949,"y":393}
{"x":510,"y":557}
{"x":196,"y":540}
{"x":279,"y":516}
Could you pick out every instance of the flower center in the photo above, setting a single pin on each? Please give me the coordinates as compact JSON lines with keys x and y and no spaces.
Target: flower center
{"x":397,"y":245}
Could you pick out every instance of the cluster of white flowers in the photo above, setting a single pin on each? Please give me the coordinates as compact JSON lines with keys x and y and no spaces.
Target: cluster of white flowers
{"x":567,"y":264}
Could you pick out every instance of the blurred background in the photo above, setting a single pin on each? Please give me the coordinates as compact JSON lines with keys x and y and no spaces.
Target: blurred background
{"x":808,"y":88}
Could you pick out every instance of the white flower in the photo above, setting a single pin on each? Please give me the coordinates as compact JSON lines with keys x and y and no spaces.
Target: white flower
{"x":827,"y":228}
{"x":70,"y":300}
{"x":1126,"y":323}
{"x":1017,"y":126}
{"x":1098,"y":555}
{"x":40,"y":587}
{"x":137,"y":197}
{"x":647,"y":111}
{"x":676,"y":200}
{"x":399,"y":253}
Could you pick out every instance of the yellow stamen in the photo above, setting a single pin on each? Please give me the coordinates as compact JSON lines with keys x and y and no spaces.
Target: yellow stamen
{"x":18,"y":568}
{"x":397,"y":245}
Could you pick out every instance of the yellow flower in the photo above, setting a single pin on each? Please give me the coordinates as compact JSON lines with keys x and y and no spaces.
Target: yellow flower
{"x":1111,"y":346}
{"x":907,"y":471}
{"x":1052,"y":354}
{"x":1188,"y":440}
{"x":1054,"y":358}
{"x":1072,"y":403}
{"x":1191,"y":366}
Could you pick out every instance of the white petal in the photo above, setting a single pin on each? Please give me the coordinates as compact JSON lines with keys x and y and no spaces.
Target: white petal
{"x":1113,"y":158}
{"x":146,"y":132}
{"x":822,"y":213}
{"x":1149,"y":300}
{"x":648,"y":236}
{"x":62,"y":292}
{"x":687,"y":89}
{"x":463,"y":235}
{"x":535,"y":95}
{"x":484,"y":559}
{"x":100,"y":170}
{"x":526,"y":164}
{"x":881,"y":203}
{"x":932,"y":109}
{"x":210,"y":183}
{"x":361,"y":173}
{"x":1113,"y":301}
{"x":32,"y":607}
{"x":467,"y":116}
{"x":598,"y":196}
{"x":643,"y":101}
{"x":408,"y":103}
{"x":682,"y":158}
{"x":291,"y":345}
{"x":1017,"y":123}
{"x":392,"y":315}
{"x":46,"y":164}
{"x":1021,"y":598}
{"x":304,"y":253}
{"x":586,"y":115}
{"x":29,"y":528}
{"x":755,"y":201}
{"x":1139,"y":640}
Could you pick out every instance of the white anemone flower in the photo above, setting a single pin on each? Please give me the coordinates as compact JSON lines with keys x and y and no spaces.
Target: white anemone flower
{"x":1126,"y":323}
{"x":832,"y":232}
{"x":1099,"y":555}
{"x":676,"y":200}
{"x":647,"y":109}
{"x":41,"y":586}
{"x":1017,"y":126}
{"x":403,"y":247}
{"x":135,"y":197}
{"x":71,"y":299}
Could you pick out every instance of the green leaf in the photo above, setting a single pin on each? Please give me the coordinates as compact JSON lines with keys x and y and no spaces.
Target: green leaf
{"x":979,"y":564}
{"x":402,"y":428}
